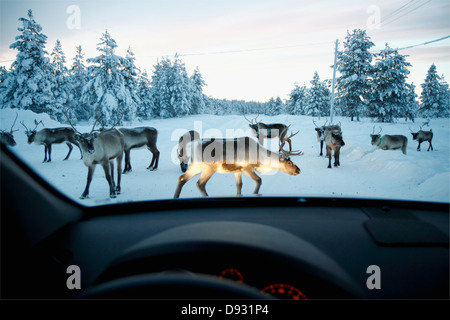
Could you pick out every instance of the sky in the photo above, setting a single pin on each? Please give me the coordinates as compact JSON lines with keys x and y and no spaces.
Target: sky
{"x":244,"y":49}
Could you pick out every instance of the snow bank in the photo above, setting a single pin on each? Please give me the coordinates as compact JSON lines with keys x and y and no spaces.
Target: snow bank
{"x":365,"y":172}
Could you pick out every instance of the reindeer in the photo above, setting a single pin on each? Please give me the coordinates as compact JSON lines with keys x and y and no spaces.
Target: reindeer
{"x":7,"y":138}
{"x":49,"y":136}
{"x":422,"y":136}
{"x":137,"y":138}
{"x":323,"y":131}
{"x":270,"y":131}
{"x":334,"y":142}
{"x":389,"y":142}
{"x":184,"y":140}
{"x":233,"y":156}
{"x":101,"y":147}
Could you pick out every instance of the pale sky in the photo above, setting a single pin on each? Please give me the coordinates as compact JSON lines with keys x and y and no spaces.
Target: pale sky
{"x":245,"y":49}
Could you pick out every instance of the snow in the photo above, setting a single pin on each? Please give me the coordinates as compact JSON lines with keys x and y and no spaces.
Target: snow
{"x":365,"y":172}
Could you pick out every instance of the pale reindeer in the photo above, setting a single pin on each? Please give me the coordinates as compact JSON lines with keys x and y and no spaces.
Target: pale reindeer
{"x":389,"y":142}
{"x":238,"y":155}
{"x":184,"y":140}
{"x":101,"y":147}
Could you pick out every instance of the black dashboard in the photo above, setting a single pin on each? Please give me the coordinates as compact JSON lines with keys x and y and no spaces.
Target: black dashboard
{"x":237,"y":248}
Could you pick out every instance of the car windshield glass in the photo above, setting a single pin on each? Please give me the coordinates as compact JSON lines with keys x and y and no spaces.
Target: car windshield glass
{"x":273,"y":98}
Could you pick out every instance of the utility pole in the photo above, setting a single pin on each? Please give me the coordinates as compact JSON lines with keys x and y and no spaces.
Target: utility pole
{"x":334,"y":80}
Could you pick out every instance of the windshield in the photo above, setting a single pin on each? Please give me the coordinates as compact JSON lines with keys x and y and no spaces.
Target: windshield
{"x":336,"y":99}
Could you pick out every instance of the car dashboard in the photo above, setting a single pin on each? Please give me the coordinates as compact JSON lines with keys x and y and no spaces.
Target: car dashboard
{"x":220,"y":248}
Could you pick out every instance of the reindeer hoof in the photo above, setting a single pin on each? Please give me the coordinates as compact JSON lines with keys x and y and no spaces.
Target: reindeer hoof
{"x":112,"y":196}
{"x":83,"y":196}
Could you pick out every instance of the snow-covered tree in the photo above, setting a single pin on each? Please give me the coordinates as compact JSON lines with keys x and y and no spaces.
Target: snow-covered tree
{"x":106,"y":89}
{"x":317,"y":98}
{"x":444,"y":98}
{"x":130,"y":75}
{"x":197,"y":96}
{"x":434,"y":97}
{"x":354,"y":65}
{"x":61,"y":87}
{"x":275,"y":106}
{"x":171,"y":88}
{"x":390,"y":98}
{"x":146,"y":109}
{"x":28,"y":85}
{"x":297,"y":100}
{"x":78,"y":78}
{"x":409,"y":110}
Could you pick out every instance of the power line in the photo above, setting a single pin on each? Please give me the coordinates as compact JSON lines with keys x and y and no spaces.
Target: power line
{"x":413,"y":9}
{"x":253,"y":50}
{"x":425,"y":43}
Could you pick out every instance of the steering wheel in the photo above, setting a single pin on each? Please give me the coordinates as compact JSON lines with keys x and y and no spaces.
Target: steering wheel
{"x":172,"y":285}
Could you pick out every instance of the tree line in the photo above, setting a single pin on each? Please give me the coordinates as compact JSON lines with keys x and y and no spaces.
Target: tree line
{"x":114,"y":87}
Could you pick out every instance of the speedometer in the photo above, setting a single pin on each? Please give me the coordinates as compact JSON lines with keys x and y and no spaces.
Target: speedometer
{"x":284,"y":291}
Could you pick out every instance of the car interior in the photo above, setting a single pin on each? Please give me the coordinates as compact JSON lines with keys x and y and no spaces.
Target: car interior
{"x":218,"y":248}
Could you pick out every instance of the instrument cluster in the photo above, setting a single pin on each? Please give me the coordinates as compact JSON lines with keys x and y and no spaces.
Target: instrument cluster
{"x":278,"y":290}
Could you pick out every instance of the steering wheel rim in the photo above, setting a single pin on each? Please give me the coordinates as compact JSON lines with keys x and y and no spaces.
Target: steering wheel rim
{"x":172,"y":286}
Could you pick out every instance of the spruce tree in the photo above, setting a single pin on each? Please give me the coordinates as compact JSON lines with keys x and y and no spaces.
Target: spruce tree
{"x":390,"y":98}
{"x":28,"y":84}
{"x":434,"y":103}
{"x":106,"y":91}
{"x":354,"y":65}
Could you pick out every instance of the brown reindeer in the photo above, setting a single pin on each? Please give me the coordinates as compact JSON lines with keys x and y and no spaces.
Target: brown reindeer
{"x":7,"y":138}
{"x":334,"y":142}
{"x":137,"y":138}
{"x":49,"y":136}
{"x":271,"y":131}
{"x":239,"y":155}
{"x":422,"y":136}
{"x":102,"y":147}
{"x":323,"y":131}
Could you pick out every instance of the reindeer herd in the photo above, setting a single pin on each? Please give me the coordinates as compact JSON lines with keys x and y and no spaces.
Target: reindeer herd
{"x":196,"y":155}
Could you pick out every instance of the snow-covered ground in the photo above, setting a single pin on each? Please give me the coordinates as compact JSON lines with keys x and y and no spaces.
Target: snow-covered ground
{"x":365,"y":172}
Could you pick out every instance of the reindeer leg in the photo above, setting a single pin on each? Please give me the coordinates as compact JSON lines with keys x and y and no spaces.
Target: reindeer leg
{"x":418,"y":147}
{"x":111,"y":168}
{"x":49,"y":150}
{"x":45,"y":153}
{"x":238,"y":178}
{"x":430,"y":146}
{"x":329,"y":156}
{"x":192,"y":171}
{"x":336,"y":157}
{"x":119,"y":172}
{"x":127,"y":162}
{"x":106,"y":167}
{"x":321,"y":147}
{"x":155,"y":159}
{"x":204,"y":177}
{"x":85,"y":193}
{"x":70,"y":150}
{"x":255,"y":177}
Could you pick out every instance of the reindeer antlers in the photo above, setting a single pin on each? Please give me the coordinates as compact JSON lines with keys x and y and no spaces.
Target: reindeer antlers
{"x":373,"y":130}
{"x":291,"y":153}
{"x":254,"y":119}
{"x":14,"y":123}
{"x":65,"y":112}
